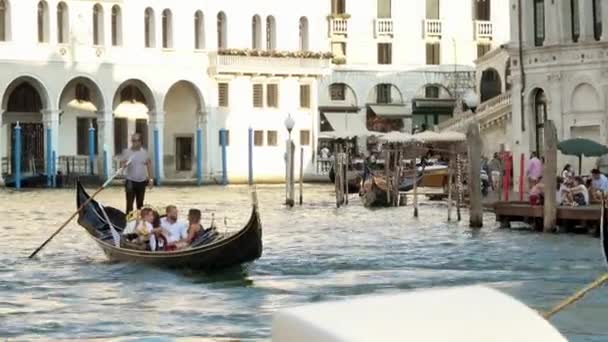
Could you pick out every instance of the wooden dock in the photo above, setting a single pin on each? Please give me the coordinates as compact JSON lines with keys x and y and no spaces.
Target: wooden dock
{"x":568,"y":218}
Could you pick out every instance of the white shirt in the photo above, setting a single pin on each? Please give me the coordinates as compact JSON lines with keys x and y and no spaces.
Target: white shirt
{"x":177,"y":230}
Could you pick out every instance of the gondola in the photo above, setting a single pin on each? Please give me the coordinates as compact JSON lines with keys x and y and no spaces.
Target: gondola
{"x":221,"y":251}
{"x":374,"y":192}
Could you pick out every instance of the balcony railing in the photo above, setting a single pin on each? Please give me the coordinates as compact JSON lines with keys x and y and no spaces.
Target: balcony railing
{"x":267,"y":65}
{"x":483,"y":29}
{"x":383,"y":27}
{"x":432,"y":28}
{"x":338,"y":26}
{"x":487,"y":111}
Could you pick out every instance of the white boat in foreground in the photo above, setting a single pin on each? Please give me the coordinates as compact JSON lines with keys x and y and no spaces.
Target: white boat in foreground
{"x":467,"y":314}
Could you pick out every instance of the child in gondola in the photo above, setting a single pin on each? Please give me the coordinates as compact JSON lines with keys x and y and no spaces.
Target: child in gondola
{"x":144,"y":229}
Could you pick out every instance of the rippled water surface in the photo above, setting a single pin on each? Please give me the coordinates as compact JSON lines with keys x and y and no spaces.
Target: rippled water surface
{"x":311,"y":253}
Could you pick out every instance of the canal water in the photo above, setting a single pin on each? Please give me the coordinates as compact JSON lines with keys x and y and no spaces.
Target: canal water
{"x":312,"y":253}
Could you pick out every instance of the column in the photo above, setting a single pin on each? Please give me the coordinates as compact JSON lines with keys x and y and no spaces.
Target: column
{"x":517,"y":134}
{"x":105,"y":146}
{"x":554,"y":102}
{"x":50,"y":119}
{"x":586,"y":20}
{"x":157,"y":126}
{"x":3,"y":143}
{"x":552,"y":27}
{"x":200,"y":128}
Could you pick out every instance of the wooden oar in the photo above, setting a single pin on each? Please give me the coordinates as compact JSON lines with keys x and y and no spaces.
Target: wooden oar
{"x":596,"y":283}
{"x":103,"y":186}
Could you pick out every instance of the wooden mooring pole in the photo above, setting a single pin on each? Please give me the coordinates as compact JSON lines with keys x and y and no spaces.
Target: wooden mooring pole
{"x":450,"y":175}
{"x":416,"y":186}
{"x":301,"y":173}
{"x":549,"y":176}
{"x":458,"y":186}
{"x":474,"y":145}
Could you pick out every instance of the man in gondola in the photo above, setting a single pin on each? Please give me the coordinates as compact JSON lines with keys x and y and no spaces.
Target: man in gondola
{"x":138,"y":172}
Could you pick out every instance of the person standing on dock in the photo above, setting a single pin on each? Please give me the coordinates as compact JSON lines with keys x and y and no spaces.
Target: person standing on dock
{"x":495,"y":171}
{"x":535,"y":170}
{"x":138,"y":172}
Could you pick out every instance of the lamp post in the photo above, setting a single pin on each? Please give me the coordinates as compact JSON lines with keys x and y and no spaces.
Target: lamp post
{"x":471,"y":99}
{"x":289,"y":201}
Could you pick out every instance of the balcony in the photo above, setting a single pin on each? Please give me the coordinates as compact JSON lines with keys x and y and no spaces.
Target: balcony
{"x":383,"y":27}
{"x":483,"y":29}
{"x":338,"y":26}
{"x":433,"y":28}
{"x":272,"y":65}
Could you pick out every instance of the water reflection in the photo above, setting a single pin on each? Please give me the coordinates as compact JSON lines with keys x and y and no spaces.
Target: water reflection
{"x":311,"y":253}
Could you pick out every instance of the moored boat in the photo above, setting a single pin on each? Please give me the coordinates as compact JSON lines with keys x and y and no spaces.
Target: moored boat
{"x":220,"y":251}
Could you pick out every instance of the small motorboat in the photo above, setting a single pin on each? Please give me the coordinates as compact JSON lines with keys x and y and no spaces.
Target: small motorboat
{"x":104,"y":225}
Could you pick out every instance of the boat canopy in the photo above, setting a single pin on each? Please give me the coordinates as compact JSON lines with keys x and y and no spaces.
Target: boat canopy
{"x":443,"y":137}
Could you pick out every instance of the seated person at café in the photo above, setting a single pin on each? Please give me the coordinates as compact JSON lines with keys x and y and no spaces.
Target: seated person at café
{"x":599,"y":184}
{"x":537,"y":192}
{"x":561,"y":190}
{"x":577,"y":194}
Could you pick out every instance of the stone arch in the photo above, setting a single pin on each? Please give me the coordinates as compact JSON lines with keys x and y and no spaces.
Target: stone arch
{"x":342,"y":92}
{"x":585,"y":98}
{"x":80,"y":103}
{"x":385,"y":93}
{"x":183,"y":105}
{"x":429,"y":90}
{"x":490,"y":85}
{"x":24,"y":101}
{"x":31,"y":81}
{"x":132,"y":103}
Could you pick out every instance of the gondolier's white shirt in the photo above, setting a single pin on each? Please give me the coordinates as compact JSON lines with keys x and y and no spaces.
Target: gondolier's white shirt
{"x":177,"y":231}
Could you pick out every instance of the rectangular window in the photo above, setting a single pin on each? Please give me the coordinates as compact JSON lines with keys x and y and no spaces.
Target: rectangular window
{"x":304,"y":138}
{"x":304,"y":96}
{"x":271,"y":138}
{"x":431,"y":92}
{"x":82,"y":135}
{"x":272,"y":95}
{"x":385,"y":53}
{"x":223,"y":96}
{"x":383,"y":93}
{"x":258,"y":95}
{"x":432,"y":9}
{"x":121,"y":135}
{"x":141,"y":127}
{"x":539,"y":22}
{"x":227,"y":137}
{"x":597,"y":19}
{"x":258,"y":138}
{"x":433,"y":54}
{"x":482,"y":49}
{"x":384,"y":9}
{"x":575,"y":20}
{"x":337,"y":92}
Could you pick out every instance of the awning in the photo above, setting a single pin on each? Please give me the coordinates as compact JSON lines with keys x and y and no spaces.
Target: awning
{"x":391,"y":111}
{"x":433,"y":106}
{"x":344,"y":125}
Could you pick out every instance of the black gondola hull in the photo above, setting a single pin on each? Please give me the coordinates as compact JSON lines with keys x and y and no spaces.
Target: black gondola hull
{"x":242,"y":247}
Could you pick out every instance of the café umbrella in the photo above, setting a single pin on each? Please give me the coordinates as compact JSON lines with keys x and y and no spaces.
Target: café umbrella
{"x":582,"y":147}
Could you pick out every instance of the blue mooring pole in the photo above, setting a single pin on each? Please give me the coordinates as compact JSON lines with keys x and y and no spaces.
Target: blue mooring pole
{"x":105,"y":161}
{"x":223,"y":142}
{"x":92,"y":149}
{"x":54,"y":169}
{"x":157,"y":156}
{"x":49,"y":170}
{"x":250,"y":155}
{"x":17,"y":155}
{"x":199,"y":156}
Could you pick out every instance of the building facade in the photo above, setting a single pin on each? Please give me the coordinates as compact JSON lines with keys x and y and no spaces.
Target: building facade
{"x":560,"y":74}
{"x":177,"y":72}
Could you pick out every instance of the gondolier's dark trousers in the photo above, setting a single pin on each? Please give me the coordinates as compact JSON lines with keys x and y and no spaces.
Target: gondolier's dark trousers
{"x":135,"y":191}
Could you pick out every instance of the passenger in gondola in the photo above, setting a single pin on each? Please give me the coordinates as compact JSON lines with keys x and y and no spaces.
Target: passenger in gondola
{"x":176,"y":232}
{"x":144,"y":229}
{"x":195,"y":228}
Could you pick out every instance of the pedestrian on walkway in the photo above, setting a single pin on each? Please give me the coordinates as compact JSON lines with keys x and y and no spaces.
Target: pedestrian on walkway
{"x":138,"y":172}
{"x":535,"y":170}
{"x":495,"y":171}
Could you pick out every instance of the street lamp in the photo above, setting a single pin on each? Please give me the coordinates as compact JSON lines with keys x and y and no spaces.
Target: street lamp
{"x":471,"y":100}
{"x":289,"y":124}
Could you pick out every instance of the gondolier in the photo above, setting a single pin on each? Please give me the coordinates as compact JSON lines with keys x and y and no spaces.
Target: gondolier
{"x":138,"y":173}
